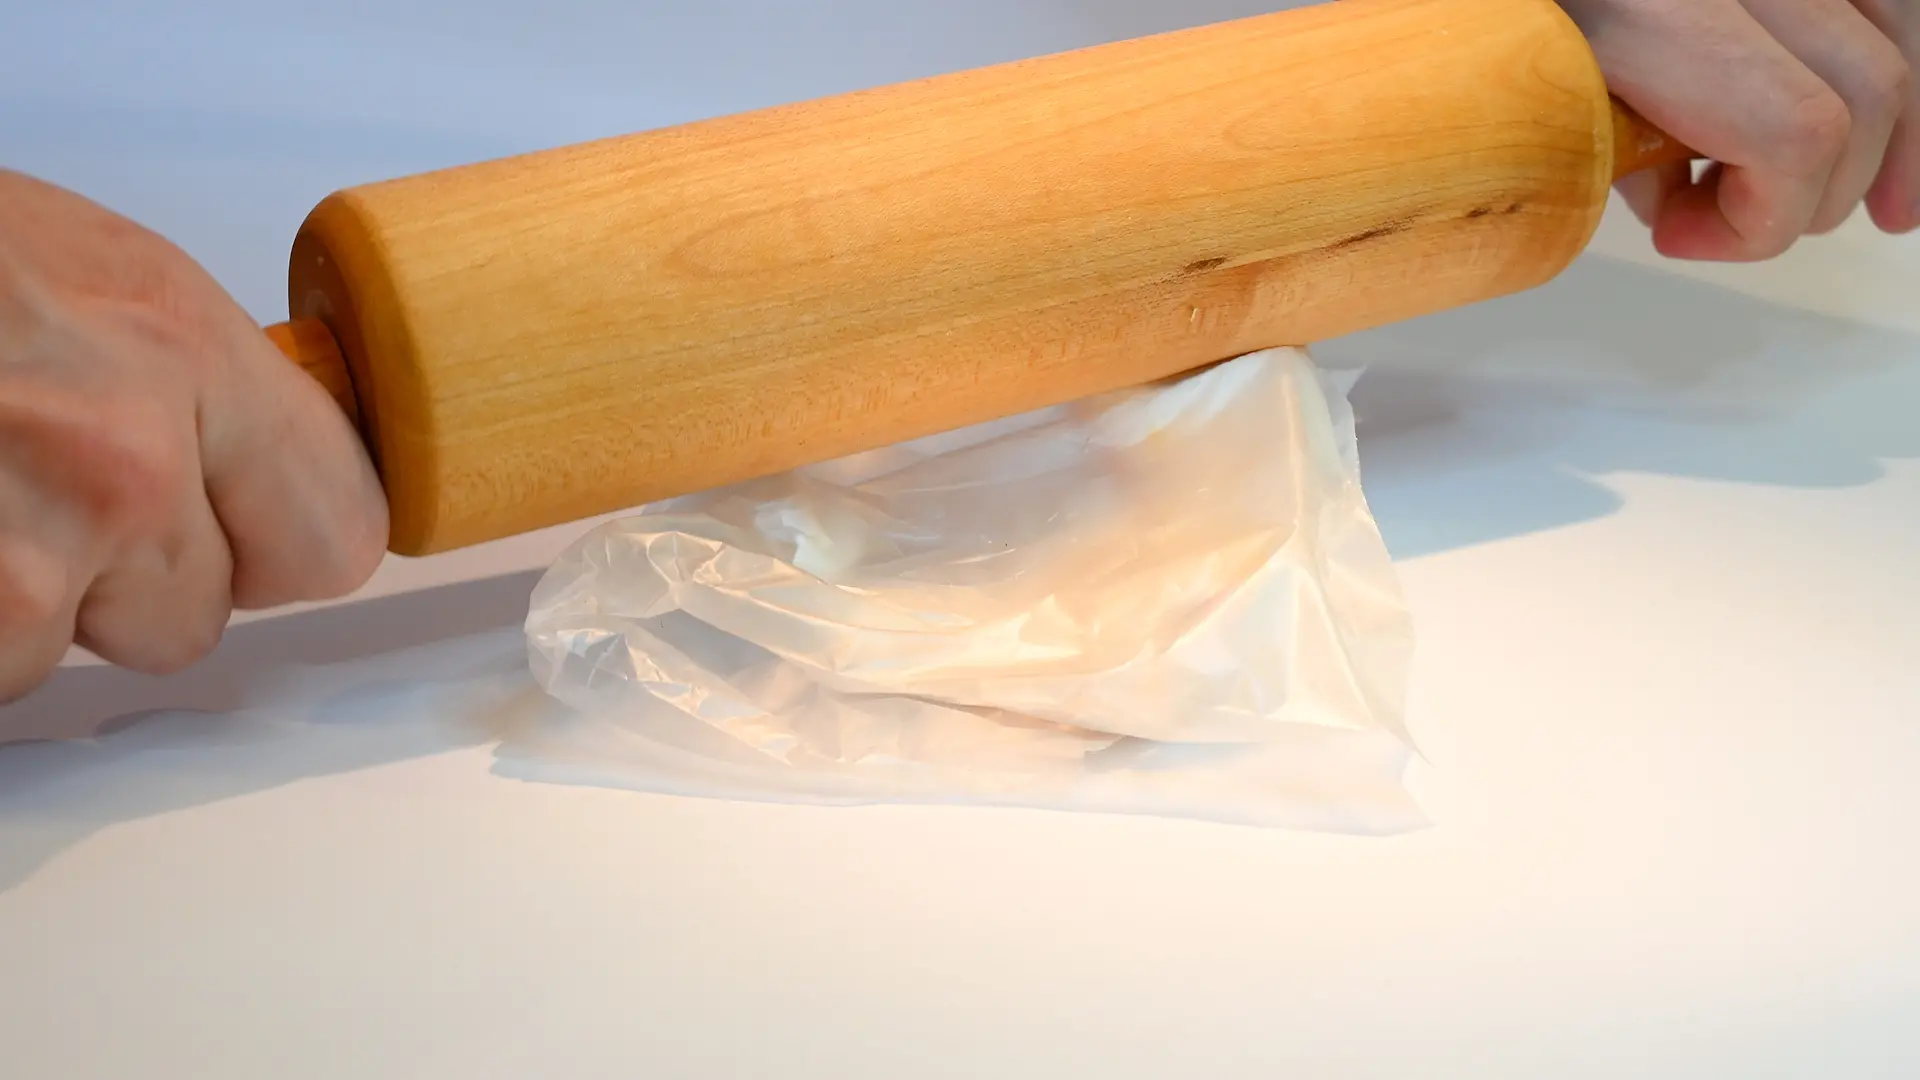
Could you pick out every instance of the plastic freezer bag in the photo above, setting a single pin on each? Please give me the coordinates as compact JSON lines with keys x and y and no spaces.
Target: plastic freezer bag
{"x":1170,"y":600}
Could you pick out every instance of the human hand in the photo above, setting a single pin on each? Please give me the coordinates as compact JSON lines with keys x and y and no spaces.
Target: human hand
{"x":161,"y":463}
{"x":1805,"y":107}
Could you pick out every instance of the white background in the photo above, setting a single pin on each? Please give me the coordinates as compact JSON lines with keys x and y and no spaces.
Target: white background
{"x":1659,"y":529}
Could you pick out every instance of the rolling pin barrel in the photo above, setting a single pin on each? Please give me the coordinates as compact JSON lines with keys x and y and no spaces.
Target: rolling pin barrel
{"x":541,"y":339}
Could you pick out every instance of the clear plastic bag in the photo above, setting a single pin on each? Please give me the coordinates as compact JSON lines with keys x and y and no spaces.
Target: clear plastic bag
{"x":1169,"y":600}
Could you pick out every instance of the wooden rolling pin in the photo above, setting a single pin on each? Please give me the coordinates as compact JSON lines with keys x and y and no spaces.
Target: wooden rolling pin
{"x":549,"y":337}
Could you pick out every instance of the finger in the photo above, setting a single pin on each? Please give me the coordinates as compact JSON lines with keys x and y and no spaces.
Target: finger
{"x":101,"y":467}
{"x":1713,"y":77}
{"x":46,"y":553}
{"x":37,"y":611}
{"x":1746,"y":213}
{"x":1893,"y":201}
{"x":163,"y":603}
{"x":1723,"y":217}
{"x":289,"y":479}
{"x":1860,"y":63}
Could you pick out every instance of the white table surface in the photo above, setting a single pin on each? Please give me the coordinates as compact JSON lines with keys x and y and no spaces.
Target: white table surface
{"x":1660,"y":529}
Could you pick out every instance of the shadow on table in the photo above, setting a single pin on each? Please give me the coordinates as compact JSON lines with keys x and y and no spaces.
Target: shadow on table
{"x":1482,"y":424}
{"x":1507,"y":418}
{"x":98,"y":745}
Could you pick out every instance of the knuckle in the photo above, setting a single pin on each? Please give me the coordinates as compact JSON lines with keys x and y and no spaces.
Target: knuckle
{"x":1772,"y":245}
{"x":171,"y":322}
{"x":360,"y":553}
{"x":33,"y":588}
{"x":1812,"y":132}
{"x":117,"y":446}
{"x":16,"y":682}
{"x":1766,"y":238}
{"x":126,"y":469}
{"x":162,"y":609}
{"x":1885,"y":80}
{"x":336,"y":549}
{"x":33,"y":593}
{"x":189,"y":644}
{"x":185,"y":641}
{"x":196,"y":634}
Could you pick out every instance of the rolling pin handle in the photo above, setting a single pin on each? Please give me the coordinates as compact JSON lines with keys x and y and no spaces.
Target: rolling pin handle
{"x":1639,"y":146}
{"x":308,"y":343}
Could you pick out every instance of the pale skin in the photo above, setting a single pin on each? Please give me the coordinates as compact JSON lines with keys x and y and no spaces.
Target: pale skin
{"x":161,"y":465}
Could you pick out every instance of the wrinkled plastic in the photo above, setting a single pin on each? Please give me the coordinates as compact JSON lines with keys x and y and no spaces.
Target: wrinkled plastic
{"x":1168,"y":600}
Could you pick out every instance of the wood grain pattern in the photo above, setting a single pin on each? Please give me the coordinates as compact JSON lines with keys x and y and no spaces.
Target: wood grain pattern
{"x":548,"y":337}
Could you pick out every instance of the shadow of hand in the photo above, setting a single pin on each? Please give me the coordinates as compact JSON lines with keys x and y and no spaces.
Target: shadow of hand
{"x":1506,"y":418}
{"x":428,"y":673}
